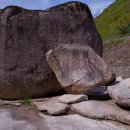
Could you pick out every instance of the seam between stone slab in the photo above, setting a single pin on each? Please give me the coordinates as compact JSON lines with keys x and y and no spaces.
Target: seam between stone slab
{"x":96,"y":68}
{"x":57,"y":61}
{"x":86,"y":74}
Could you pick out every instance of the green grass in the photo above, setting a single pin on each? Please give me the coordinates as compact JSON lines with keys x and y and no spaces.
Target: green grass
{"x":114,"y":22}
{"x":25,"y":101}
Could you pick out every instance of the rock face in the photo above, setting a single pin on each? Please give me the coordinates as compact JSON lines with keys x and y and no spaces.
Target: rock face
{"x":25,"y":37}
{"x":102,"y":110}
{"x":120,"y":92}
{"x":78,"y":68}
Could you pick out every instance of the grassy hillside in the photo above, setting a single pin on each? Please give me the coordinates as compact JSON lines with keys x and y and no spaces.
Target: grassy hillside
{"x":114,"y":22}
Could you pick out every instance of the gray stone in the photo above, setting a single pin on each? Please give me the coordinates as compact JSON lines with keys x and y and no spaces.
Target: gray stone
{"x":27,"y":119}
{"x":8,"y":122}
{"x":120,"y":92}
{"x":126,"y":81}
{"x":71,"y":98}
{"x":119,"y":79}
{"x":101,"y":110}
{"x":23,"y":67}
{"x":52,"y":107}
{"x":78,"y":68}
{"x":77,"y":122}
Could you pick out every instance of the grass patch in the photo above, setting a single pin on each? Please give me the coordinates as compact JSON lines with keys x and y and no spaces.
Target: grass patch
{"x":26,"y":101}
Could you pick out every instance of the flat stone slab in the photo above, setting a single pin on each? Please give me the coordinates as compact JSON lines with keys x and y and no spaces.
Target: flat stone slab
{"x":101,"y":110}
{"x":120,"y":92}
{"x":77,"y":122}
{"x":17,"y":118}
{"x":71,"y":98}
{"x":8,"y":122}
{"x":52,"y":107}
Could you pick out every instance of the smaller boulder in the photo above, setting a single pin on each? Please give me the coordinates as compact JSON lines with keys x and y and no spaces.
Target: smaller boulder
{"x":71,"y":98}
{"x":78,"y":68}
{"x":120,"y":92}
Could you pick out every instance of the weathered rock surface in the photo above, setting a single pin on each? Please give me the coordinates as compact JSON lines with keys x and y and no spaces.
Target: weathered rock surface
{"x":120,"y":92}
{"x":52,"y":107}
{"x":77,"y":122}
{"x":28,"y":118}
{"x":26,"y":35}
{"x":78,"y":68}
{"x":71,"y":98}
{"x":45,"y":122}
{"x":8,"y":122}
{"x":102,"y":110}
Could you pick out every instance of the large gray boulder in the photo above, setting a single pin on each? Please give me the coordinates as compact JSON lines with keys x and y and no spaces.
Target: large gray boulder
{"x":25,"y":37}
{"x":78,"y":68}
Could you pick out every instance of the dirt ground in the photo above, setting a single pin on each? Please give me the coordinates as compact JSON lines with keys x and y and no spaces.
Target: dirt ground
{"x":117,"y":54}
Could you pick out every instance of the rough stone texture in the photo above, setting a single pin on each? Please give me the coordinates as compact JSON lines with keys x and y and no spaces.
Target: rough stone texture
{"x":27,"y":118}
{"x":78,"y":68}
{"x":120,"y":92}
{"x":77,"y":122}
{"x":26,"y":35}
{"x":102,"y":110}
{"x":46,"y":122}
{"x":52,"y":107}
{"x":70,"y":98}
{"x":8,"y":122}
